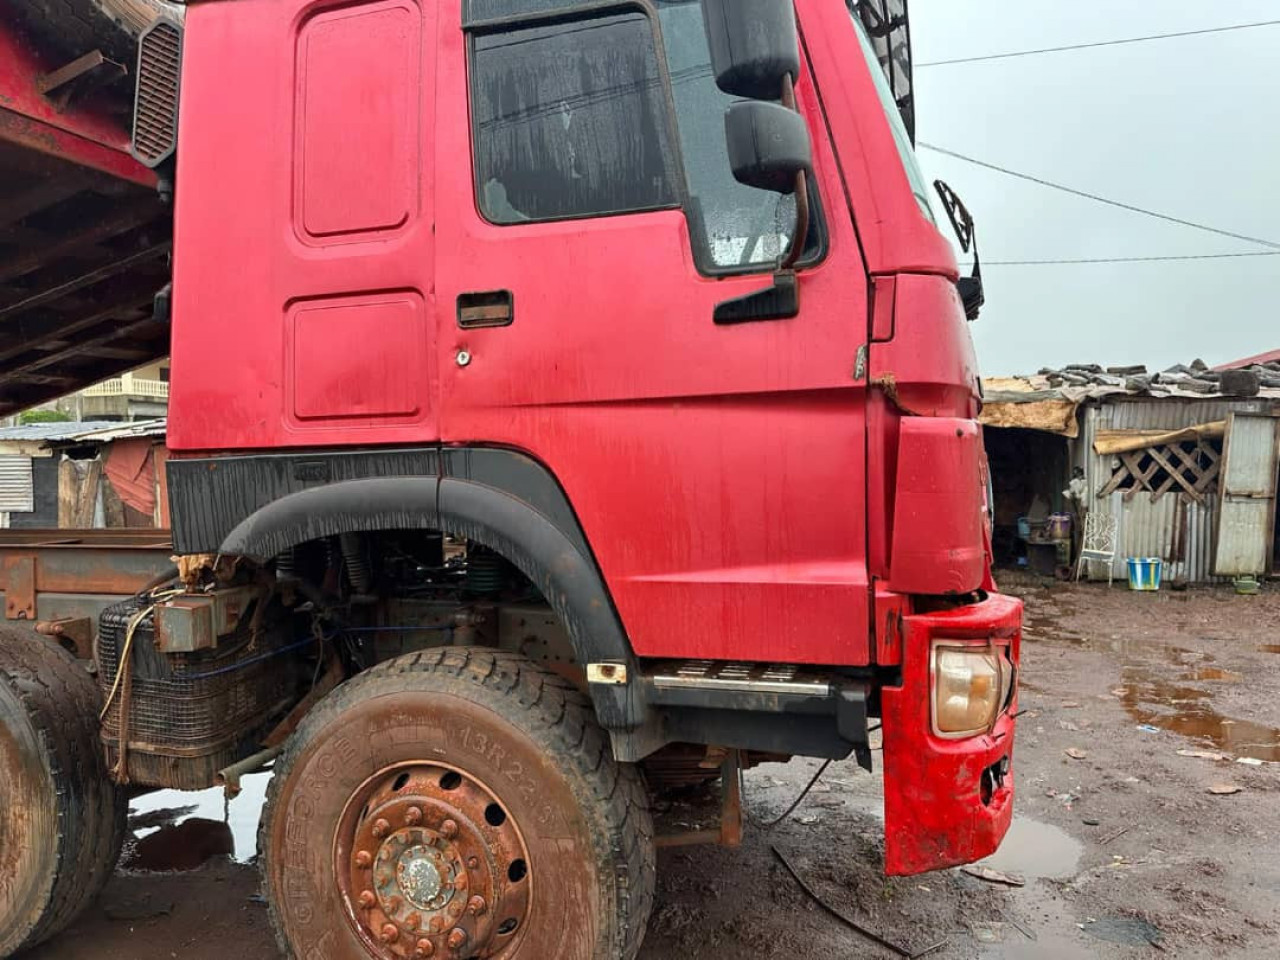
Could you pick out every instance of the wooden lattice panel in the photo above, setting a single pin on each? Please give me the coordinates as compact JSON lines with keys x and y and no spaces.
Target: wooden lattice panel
{"x":1189,"y":469}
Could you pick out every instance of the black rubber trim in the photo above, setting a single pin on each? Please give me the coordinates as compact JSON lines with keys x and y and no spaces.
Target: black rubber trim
{"x":565,"y":575}
{"x":209,"y":497}
{"x":389,"y":503}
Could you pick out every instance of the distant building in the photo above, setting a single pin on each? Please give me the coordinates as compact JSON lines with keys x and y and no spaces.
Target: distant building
{"x":83,"y":475}
{"x":141,"y":394}
{"x":1186,"y":460}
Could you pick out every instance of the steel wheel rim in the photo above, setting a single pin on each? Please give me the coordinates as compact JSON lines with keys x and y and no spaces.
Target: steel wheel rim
{"x":430,"y":863}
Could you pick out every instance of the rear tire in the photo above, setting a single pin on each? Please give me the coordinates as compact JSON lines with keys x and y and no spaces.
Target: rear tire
{"x":463,"y":797}
{"x":72,"y":28}
{"x":62,"y":821}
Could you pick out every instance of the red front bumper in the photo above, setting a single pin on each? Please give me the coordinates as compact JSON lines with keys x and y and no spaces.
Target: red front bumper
{"x":946,"y":802}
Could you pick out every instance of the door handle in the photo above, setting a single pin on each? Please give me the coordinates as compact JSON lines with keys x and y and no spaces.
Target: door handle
{"x":488,"y":308}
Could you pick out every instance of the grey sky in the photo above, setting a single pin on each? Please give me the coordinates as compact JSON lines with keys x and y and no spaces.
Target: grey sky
{"x":1187,"y":127}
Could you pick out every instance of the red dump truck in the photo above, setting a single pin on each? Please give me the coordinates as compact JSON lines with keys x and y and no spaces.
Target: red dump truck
{"x":568,"y":398}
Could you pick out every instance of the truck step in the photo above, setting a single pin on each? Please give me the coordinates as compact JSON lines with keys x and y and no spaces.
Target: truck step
{"x":730,"y":677}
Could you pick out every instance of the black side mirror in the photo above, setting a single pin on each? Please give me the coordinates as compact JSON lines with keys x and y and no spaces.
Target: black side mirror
{"x":755,"y":53}
{"x":754,"y":45}
{"x":768,"y":145}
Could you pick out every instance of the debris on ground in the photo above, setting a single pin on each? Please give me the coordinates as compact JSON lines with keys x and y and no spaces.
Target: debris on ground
{"x":1203,"y":754}
{"x":1126,"y":930}
{"x":994,"y":876}
{"x":1075,"y":753}
{"x":1114,"y":836}
{"x":1225,"y":789}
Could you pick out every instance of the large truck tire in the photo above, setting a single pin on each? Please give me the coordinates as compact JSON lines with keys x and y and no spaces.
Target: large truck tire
{"x":454,"y":803}
{"x":71,"y":28}
{"x":62,"y":820}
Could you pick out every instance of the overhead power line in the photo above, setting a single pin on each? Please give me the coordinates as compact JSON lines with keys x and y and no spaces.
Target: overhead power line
{"x":1100,"y":43}
{"x":1093,"y":196}
{"x":1157,"y":259}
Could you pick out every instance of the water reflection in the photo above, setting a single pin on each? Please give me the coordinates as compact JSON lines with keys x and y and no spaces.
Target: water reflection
{"x":175,"y":830}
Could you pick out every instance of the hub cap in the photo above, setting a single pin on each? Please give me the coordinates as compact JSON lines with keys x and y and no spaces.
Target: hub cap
{"x":430,"y":864}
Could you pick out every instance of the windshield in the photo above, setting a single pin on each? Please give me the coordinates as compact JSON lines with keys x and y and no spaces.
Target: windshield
{"x":900,"y":137}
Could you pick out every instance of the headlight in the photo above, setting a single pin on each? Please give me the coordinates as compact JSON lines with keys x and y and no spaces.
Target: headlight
{"x":971,"y":685}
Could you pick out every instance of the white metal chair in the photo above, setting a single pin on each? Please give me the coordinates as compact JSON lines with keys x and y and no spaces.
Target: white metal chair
{"x":1100,"y":535}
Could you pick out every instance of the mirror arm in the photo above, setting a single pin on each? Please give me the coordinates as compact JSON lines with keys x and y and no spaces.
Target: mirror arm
{"x":801,"y":233}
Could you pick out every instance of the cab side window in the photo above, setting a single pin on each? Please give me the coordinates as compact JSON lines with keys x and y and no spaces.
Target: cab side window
{"x":569,"y":119}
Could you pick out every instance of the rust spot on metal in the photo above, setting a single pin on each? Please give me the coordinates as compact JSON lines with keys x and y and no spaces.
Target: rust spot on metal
{"x":457,"y":884}
{"x":729,"y":832}
{"x":20,"y":587}
{"x":72,"y":633}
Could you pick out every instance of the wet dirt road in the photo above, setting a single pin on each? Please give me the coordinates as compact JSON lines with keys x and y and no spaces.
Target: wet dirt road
{"x":1120,"y":844}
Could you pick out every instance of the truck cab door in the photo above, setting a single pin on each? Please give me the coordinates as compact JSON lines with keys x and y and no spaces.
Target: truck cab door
{"x":588,"y":226}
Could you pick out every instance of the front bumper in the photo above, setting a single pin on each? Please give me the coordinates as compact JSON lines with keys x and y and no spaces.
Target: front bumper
{"x":946,"y":802}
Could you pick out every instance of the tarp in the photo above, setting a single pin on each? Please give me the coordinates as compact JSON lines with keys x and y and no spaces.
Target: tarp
{"x":1051,"y":416}
{"x":131,"y":468}
{"x":1122,"y":441}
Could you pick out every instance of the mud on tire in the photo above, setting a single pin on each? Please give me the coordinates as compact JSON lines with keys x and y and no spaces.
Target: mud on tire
{"x":62,"y":820}
{"x":470,"y":770}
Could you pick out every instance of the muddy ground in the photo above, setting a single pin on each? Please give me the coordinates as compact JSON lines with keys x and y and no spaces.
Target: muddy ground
{"x":1124,"y":850}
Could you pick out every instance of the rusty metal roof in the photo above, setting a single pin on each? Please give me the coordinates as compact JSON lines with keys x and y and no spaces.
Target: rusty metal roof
{"x":81,"y":431}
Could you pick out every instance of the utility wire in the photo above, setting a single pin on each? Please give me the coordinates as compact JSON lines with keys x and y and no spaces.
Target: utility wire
{"x":1162,"y":259}
{"x":1093,"y":196}
{"x":1101,"y":43}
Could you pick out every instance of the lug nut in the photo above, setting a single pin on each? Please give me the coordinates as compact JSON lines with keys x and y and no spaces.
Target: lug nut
{"x":367,"y":899}
{"x":390,"y":933}
{"x":425,"y":948}
{"x":413,"y":921}
{"x":435,"y":924}
{"x":380,"y":828}
{"x":449,"y":829}
{"x":413,"y":816}
{"x":476,"y":906}
{"x":455,"y":910}
{"x":457,"y":938}
{"x":364,"y":859}
{"x":473,"y":863}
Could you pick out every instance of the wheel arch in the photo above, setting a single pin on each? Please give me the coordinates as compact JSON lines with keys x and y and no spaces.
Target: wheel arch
{"x":502,"y":499}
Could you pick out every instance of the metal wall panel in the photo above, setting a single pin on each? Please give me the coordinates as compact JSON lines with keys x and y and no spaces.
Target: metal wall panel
{"x":1150,"y":528}
{"x":1247,"y":497}
{"x":16,"y":488}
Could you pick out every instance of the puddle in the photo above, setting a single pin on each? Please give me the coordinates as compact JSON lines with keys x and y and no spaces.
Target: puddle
{"x":1127,"y":930}
{"x":175,"y":830}
{"x":1213,"y":673}
{"x":1037,"y":850}
{"x":1189,"y":712}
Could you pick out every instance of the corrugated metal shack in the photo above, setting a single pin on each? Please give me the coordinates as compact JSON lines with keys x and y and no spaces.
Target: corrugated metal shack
{"x":83,"y":475}
{"x":1187,"y":460}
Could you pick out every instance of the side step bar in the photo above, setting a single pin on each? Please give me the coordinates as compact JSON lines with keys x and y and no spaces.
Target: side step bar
{"x":781,"y":707}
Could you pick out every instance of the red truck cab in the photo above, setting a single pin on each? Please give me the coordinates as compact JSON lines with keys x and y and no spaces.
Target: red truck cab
{"x":507,"y":225}
{"x":568,"y":398}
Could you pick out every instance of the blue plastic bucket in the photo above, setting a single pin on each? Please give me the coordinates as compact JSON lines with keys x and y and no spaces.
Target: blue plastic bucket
{"x":1145,"y":573}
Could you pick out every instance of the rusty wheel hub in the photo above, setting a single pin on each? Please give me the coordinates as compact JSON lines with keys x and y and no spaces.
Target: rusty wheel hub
{"x":430,"y":865}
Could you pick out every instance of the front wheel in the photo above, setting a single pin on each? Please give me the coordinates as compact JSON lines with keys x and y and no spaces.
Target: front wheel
{"x":457,"y":803}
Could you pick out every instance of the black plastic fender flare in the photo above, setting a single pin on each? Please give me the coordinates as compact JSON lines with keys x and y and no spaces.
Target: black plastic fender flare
{"x":502,"y":499}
